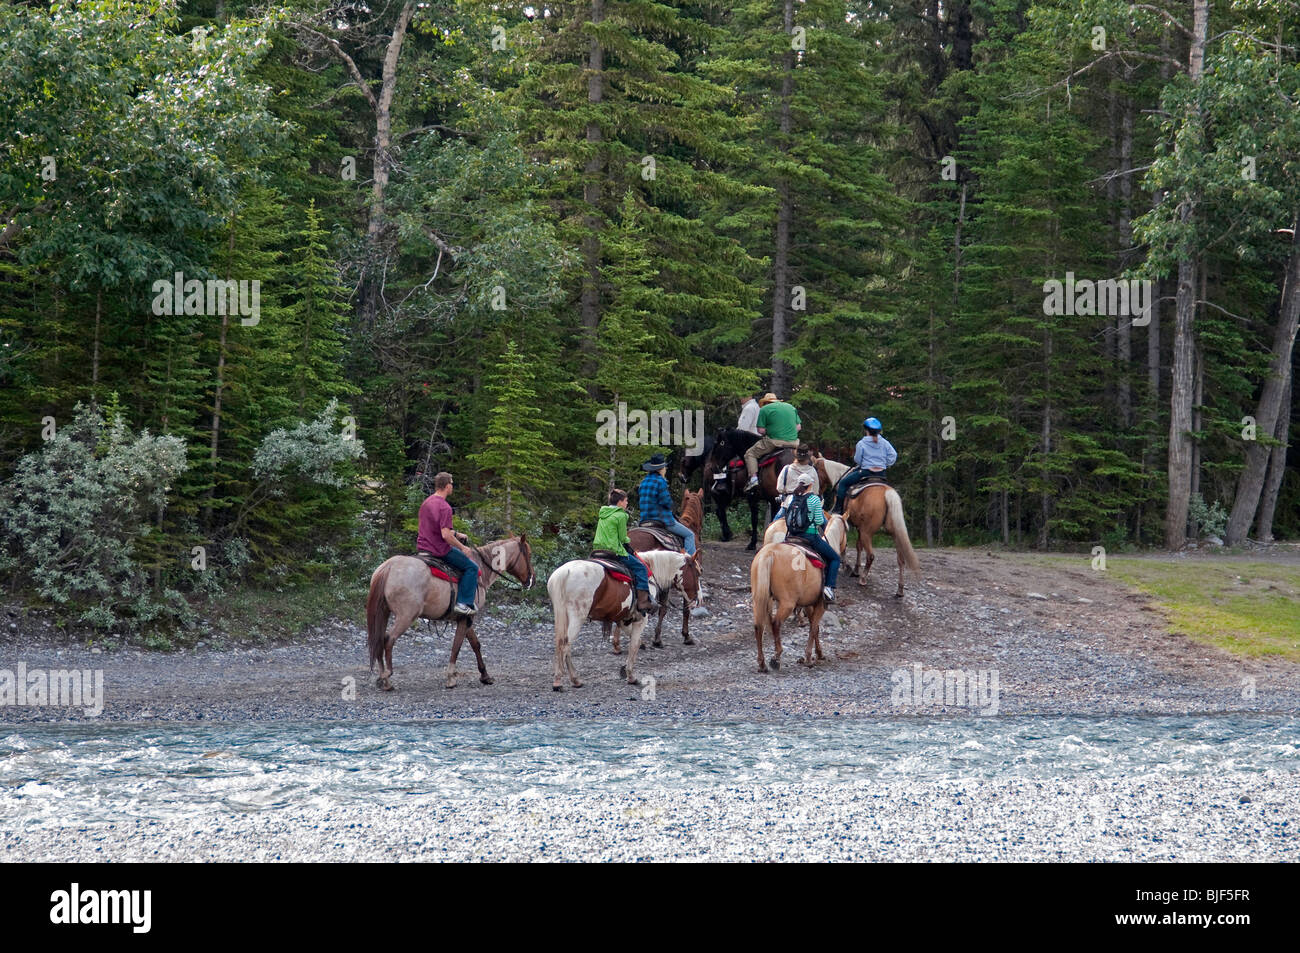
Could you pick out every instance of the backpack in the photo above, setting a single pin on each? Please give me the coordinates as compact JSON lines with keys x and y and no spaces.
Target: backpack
{"x":796,"y":517}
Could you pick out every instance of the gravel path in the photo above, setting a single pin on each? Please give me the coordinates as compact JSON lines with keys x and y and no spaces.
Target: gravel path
{"x":1062,"y":641}
{"x":1130,"y":819}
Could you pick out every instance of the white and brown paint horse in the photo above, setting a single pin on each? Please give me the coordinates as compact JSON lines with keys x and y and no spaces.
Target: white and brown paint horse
{"x":582,"y":590}
{"x":404,"y":587}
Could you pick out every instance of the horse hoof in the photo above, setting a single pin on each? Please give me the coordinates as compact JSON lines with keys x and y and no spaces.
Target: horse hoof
{"x":487,"y":680}
{"x":751,"y":547}
{"x":688,"y":641}
{"x":622,"y":671}
{"x":775,"y":665}
{"x":657,"y":644}
{"x":557,"y":688}
{"x":450,"y":685}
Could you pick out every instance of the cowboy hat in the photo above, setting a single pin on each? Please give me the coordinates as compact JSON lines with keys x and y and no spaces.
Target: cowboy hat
{"x":768,"y":398}
{"x":657,"y":462}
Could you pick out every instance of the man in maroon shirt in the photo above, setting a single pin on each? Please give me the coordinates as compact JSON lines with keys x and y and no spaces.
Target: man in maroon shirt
{"x":439,"y":539}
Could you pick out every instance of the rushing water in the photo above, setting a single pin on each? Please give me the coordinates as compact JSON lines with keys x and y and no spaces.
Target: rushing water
{"x":78,"y":774}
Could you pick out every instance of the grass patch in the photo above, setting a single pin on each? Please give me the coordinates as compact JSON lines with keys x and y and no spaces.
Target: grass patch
{"x":266,"y":615}
{"x":1251,"y":608}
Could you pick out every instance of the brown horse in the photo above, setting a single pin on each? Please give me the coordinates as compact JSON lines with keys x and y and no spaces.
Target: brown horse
{"x":581,"y":590}
{"x":781,"y":573}
{"x":693,"y":519}
{"x":880,"y":507}
{"x":404,"y":587}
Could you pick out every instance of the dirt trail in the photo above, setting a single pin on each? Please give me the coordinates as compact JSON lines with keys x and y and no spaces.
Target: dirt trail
{"x":1061,"y":640}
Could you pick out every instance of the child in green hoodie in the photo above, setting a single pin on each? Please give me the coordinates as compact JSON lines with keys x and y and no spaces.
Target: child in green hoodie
{"x":611,"y":535}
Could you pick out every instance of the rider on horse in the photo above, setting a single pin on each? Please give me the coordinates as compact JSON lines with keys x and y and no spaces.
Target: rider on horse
{"x":779,"y":425}
{"x":789,"y":478}
{"x":805,"y":520}
{"x":748,"y":414}
{"x":611,"y":535}
{"x":437,"y":538}
{"x":655,"y":503}
{"x":873,"y":454}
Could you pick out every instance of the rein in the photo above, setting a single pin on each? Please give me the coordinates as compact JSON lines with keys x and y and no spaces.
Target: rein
{"x":487,"y":566}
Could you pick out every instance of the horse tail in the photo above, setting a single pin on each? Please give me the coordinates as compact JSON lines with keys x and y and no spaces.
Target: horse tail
{"x":377,"y":614}
{"x":898,"y":529}
{"x":760,"y":584}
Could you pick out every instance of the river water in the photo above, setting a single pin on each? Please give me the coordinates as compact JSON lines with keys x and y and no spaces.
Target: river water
{"x":60,"y":775}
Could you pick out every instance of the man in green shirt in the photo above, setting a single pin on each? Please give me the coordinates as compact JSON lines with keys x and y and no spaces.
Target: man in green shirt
{"x":778,"y":427}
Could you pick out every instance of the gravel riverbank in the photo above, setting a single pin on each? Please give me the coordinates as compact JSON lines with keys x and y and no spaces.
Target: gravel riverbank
{"x":1188,"y":819}
{"x":1061,"y":641}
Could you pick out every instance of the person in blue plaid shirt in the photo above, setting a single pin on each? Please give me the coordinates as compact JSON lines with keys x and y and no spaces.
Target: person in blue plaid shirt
{"x":655,"y":504}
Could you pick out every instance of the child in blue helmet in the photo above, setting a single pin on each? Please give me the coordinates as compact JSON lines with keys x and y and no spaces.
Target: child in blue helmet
{"x":871,"y":458}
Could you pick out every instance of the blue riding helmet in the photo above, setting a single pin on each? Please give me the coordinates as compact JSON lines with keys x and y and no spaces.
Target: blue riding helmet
{"x":871,"y":423}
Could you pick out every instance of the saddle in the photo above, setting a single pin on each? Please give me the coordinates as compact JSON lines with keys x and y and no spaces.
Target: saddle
{"x":666,"y":539}
{"x":866,"y":481}
{"x":609,"y":561}
{"x":777,"y":458}
{"x":813,"y":556}
{"x":439,"y":568}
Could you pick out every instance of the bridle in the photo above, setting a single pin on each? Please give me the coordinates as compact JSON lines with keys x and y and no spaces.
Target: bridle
{"x":509,"y":570}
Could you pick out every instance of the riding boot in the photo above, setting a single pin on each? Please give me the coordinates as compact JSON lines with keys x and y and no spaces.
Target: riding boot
{"x":643,"y":600}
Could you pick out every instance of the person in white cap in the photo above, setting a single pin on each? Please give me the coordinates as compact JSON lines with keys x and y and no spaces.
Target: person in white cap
{"x":804,"y":518}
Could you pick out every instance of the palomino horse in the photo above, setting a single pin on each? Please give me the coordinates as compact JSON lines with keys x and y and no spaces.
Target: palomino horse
{"x":693,"y":519}
{"x":837,"y":532}
{"x":877,"y":507}
{"x":783,"y":574}
{"x":404,"y":587}
{"x":581,"y":590}
{"x":727,"y":484}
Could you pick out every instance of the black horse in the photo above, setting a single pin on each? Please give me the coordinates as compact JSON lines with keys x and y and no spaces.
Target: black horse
{"x":726,"y":489}
{"x":683,"y":464}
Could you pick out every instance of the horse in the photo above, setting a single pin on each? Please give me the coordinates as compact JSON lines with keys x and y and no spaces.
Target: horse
{"x":684,"y":464}
{"x":727,"y":483}
{"x":783,"y":574}
{"x":877,"y":507}
{"x":837,"y":532}
{"x":642,"y":541}
{"x":404,"y":586}
{"x":581,"y":589}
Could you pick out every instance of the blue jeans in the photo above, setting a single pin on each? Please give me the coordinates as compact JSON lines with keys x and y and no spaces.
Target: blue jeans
{"x":468,"y":587}
{"x":688,"y":538}
{"x":827,"y":552}
{"x":638,"y":571}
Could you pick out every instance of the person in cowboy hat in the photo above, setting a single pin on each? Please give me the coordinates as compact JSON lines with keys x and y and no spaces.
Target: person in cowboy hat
{"x":790,"y":474}
{"x":873,"y":454}
{"x":779,"y":424}
{"x":806,"y":520}
{"x":655,"y":503}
